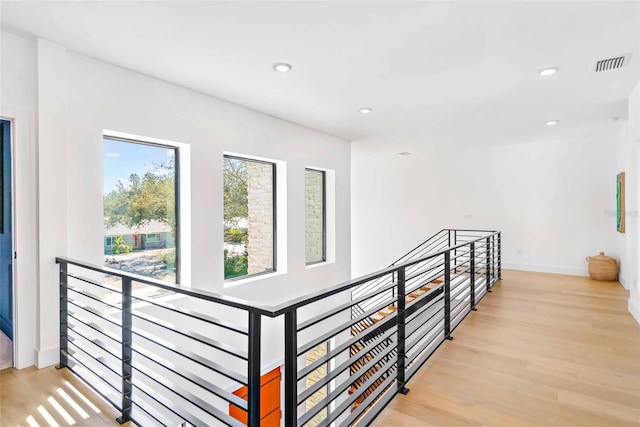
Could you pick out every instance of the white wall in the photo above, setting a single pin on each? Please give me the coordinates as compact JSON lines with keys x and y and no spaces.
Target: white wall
{"x":79,"y":97}
{"x":627,"y":150}
{"x":18,"y":103}
{"x":552,"y":199}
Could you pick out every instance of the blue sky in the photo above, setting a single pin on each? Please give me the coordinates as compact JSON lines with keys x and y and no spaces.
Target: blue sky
{"x":121,"y":159}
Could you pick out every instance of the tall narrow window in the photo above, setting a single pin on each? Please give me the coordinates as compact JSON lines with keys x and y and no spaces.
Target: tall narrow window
{"x":140,"y":215}
{"x":249,"y":217}
{"x":315,"y":221}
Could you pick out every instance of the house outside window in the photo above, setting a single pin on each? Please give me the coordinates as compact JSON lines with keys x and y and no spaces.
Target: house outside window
{"x":141,"y":218}
{"x":249,"y":217}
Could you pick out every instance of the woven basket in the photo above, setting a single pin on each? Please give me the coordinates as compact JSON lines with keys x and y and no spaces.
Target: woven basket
{"x":602,"y":267}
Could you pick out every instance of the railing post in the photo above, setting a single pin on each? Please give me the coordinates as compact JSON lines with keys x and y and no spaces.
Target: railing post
{"x":127,"y":339}
{"x":499,"y":255}
{"x":254,"y":370}
{"x":402,"y":303}
{"x":64,"y":317}
{"x":473,"y":275}
{"x":290,"y":368}
{"x":447,"y":295}
{"x":488,"y":262}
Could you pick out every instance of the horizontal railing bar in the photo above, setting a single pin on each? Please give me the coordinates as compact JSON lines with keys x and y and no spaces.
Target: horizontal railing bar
{"x":414,"y":327}
{"x":431,"y":329}
{"x":95,"y":327}
{"x":196,"y":315}
{"x":272,"y":311}
{"x":419,"y":246}
{"x":304,"y":325}
{"x":370,"y":400}
{"x":346,"y":404}
{"x":179,"y":289}
{"x":421,"y":273}
{"x":368,"y":365}
{"x":232,"y":375}
{"x":210,"y":342}
{"x":103,"y":378}
{"x":89,"y":384}
{"x":382,"y":401}
{"x":94,"y":312}
{"x":335,"y":331}
{"x":316,"y":296}
{"x":101,"y":345}
{"x":171,"y":407}
{"x":410,"y":318}
{"x":94,"y":283}
{"x":347,"y":345}
{"x":101,"y":360}
{"x":91,"y":296}
{"x":412,"y":361}
{"x":156,"y":417}
{"x":197,"y":380}
{"x":179,"y":391}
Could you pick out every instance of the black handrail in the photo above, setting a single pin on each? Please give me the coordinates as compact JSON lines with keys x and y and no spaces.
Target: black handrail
{"x":469,"y":266}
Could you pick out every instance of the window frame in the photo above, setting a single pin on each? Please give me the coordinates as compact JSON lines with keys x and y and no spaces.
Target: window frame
{"x":274,"y":202}
{"x":324,"y":217}
{"x":177,"y":185}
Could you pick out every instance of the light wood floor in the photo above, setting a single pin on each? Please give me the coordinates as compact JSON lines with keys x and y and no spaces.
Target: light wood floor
{"x":542,"y":350}
{"x":49,"y":398}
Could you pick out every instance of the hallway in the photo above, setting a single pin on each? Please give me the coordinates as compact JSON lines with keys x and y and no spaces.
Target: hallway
{"x":542,"y":350}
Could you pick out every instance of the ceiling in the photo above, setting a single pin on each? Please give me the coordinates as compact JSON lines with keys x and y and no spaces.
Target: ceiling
{"x":440,"y":70}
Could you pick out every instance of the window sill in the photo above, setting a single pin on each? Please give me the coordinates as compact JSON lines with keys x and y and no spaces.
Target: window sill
{"x":319,"y":264}
{"x":229,"y":283}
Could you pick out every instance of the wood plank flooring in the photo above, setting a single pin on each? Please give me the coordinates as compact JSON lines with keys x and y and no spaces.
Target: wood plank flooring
{"x":49,"y":398}
{"x":542,"y":350}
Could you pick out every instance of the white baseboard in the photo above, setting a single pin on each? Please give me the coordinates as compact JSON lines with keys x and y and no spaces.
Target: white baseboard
{"x":623,"y":281}
{"x":634,"y":309}
{"x":47,"y":357}
{"x":547,"y":269}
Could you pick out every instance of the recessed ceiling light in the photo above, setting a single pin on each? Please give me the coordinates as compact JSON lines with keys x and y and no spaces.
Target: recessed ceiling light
{"x":282,"y":67}
{"x":365,"y":110}
{"x":553,"y":122}
{"x":405,"y":153}
{"x":548,"y":71}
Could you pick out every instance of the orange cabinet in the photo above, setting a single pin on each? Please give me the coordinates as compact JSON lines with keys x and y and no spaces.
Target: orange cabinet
{"x":269,"y":400}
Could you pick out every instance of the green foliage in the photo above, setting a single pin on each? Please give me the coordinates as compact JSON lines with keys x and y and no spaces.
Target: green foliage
{"x":143,"y":199}
{"x":237,"y":235}
{"x":120,"y":246}
{"x":235,"y":177}
{"x":169,"y":259}
{"x":235,"y":266}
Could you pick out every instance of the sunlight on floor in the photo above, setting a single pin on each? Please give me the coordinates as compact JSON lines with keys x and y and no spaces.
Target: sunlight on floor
{"x":59,"y":411}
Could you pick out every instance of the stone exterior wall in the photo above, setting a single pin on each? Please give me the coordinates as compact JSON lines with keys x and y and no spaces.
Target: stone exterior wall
{"x":314,"y":221}
{"x":261,"y":200}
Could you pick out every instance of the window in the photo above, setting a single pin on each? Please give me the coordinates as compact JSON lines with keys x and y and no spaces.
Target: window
{"x":140,"y":193}
{"x":153,"y":238}
{"x":315,"y":217}
{"x":249,"y":217}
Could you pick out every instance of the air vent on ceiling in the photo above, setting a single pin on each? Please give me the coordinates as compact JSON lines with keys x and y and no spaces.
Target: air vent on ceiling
{"x":612,"y":63}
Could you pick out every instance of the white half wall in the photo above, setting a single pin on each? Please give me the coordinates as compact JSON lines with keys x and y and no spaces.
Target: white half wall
{"x":554,"y":200}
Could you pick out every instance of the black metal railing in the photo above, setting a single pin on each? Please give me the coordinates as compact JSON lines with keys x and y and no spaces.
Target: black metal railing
{"x":169,"y":361}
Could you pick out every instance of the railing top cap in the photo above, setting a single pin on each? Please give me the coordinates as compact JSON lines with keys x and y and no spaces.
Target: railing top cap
{"x":275,"y":310}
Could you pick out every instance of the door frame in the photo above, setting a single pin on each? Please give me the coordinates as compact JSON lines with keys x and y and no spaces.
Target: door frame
{"x":12,"y":162}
